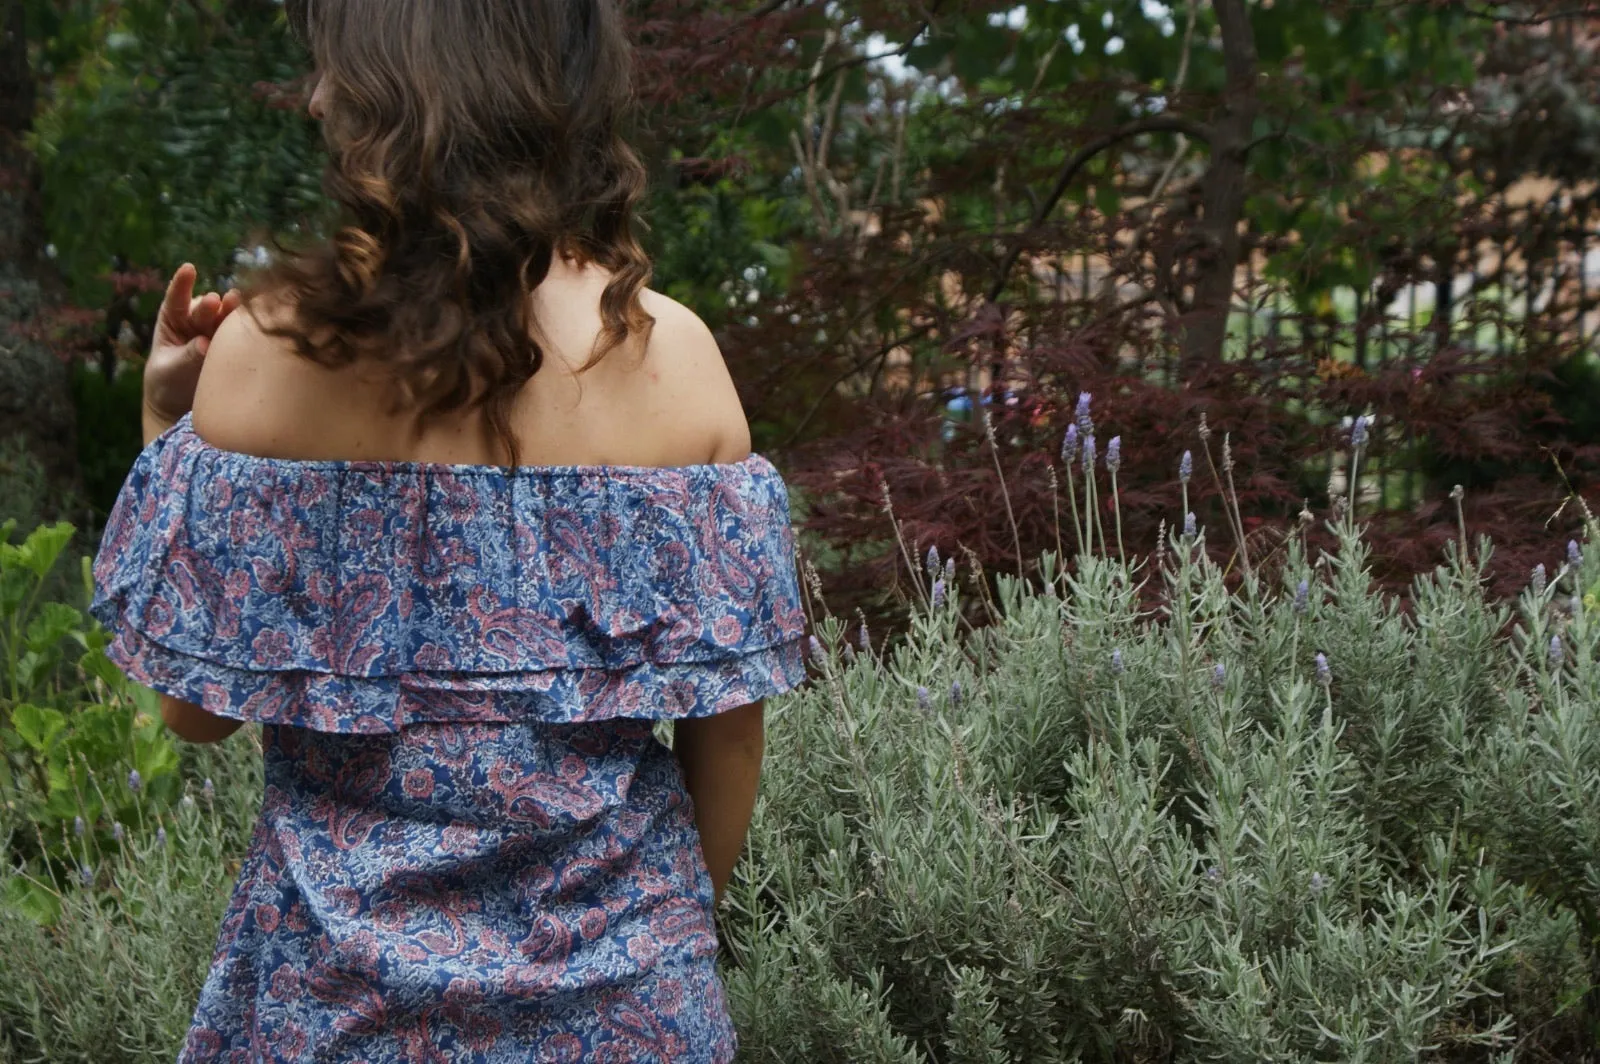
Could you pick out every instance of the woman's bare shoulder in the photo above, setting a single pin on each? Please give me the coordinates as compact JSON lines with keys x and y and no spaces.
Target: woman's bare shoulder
{"x":685,"y":369}
{"x":257,"y":395}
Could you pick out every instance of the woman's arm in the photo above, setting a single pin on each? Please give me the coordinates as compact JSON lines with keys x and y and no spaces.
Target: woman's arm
{"x":189,"y":721}
{"x":721,"y":760}
{"x":184,"y":328}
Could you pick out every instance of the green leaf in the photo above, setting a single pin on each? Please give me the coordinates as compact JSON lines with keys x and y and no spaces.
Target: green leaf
{"x":44,"y":545}
{"x":37,"y":725}
{"x":54,"y":623}
{"x":33,"y":900}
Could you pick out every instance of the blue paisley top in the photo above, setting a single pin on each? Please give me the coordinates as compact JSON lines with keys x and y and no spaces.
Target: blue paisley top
{"x":364,"y":596}
{"x":472,"y":848}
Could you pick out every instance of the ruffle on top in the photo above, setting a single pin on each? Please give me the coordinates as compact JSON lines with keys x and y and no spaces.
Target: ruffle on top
{"x":365,"y":596}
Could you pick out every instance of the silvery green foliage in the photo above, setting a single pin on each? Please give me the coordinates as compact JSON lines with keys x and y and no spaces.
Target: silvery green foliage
{"x":1397,"y":859}
{"x":113,"y":977}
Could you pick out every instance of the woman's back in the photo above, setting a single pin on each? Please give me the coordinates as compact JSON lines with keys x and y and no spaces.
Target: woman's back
{"x":662,"y":401}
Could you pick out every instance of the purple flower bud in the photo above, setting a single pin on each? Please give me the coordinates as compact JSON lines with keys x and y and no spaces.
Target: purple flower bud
{"x":955,"y":694}
{"x":161,"y":836}
{"x":135,"y":782}
{"x":116,"y":831}
{"x":1219,"y":677}
{"x":1358,"y":433}
{"x":208,"y":790}
{"x":933,"y":559}
{"x":849,"y":654}
{"x":1214,"y":874}
{"x":1539,"y":579}
{"x":1318,"y":884}
{"x":1117,"y":667}
{"x":949,"y":570}
{"x":1302,"y":597}
{"x":924,"y":699}
{"x":1185,"y":467}
{"x":1088,"y":453}
{"x":938,"y":594}
{"x":865,"y":639}
{"x":1324,"y":673}
{"x":1114,"y":454}
{"x":86,"y":875}
{"x":1085,"y":422}
{"x":78,"y":826}
{"x":815,"y":645}
{"x":1189,"y":528}
{"x":1574,"y":555}
{"x":1069,"y":446}
{"x":1557,"y":655}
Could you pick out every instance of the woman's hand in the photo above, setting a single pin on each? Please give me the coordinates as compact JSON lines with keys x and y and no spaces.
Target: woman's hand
{"x":183,"y":332}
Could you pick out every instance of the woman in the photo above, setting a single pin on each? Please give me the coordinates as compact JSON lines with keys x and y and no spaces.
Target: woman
{"x":462,"y":508}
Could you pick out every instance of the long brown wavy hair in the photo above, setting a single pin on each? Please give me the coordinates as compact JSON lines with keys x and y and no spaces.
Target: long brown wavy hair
{"x":470,"y":141}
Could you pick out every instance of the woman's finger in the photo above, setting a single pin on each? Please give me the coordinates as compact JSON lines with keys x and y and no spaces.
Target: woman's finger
{"x":203,"y":314}
{"x":176,"y":304}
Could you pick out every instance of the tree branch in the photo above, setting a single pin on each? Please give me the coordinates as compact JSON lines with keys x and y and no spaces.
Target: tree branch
{"x":1080,"y":159}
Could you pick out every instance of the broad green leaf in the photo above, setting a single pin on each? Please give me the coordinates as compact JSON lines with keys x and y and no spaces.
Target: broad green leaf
{"x":37,"y":725}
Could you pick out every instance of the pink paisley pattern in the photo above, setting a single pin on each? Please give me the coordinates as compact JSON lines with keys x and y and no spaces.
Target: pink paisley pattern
{"x":364,"y":596}
{"x":471,"y":848}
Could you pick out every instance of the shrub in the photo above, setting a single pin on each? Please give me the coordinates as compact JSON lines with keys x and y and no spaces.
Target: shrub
{"x":114,"y":978}
{"x":1293,"y":821}
{"x":84,"y":756}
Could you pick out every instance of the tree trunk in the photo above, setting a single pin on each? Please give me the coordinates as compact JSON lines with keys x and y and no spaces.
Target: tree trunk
{"x":1222,"y":193}
{"x":35,"y":386}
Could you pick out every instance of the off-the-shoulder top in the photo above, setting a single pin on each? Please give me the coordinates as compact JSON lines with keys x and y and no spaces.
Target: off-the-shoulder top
{"x":362,"y":596}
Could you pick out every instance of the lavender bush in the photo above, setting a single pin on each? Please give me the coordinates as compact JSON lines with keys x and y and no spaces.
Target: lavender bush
{"x":1296,"y":821}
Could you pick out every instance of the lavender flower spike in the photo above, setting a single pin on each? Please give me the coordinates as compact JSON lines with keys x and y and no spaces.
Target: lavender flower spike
{"x":116,"y":831}
{"x":949,"y":570}
{"x":1085,"y":422}
{"x":1117,"y":667}
{"x":1574,"y":555}
{"x":78,"y":826}
{"x":1302,"y":597}
{"x":815,"y":646}
{"x":1219,"y":677}
{"x":1185,"y":467}
{"x":955,"y":694}
{"x":1358,"y":433}
{"x":1539,"y":579}
{"x":1189,"y":528}
{"x":1557,"y":655}
{"x":135,"y":782}
{"x":1324,"y":673}
{"x":924,"y":699}
{"x":933,"y":559}
{"x":1069,"y":445}
{"x":161,"y":836}
{"x":1114,"y":454}
{"x":866,"y":639}
{"x":86,"y":875}
{"x":1088,"y":453}
{"x":938,"y":594}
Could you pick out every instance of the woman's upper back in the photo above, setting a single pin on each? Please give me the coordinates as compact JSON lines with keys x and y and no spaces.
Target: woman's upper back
{"x":670,"y":404}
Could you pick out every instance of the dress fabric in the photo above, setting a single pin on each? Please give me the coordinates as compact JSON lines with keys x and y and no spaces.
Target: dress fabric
{"x":471,"y":847}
